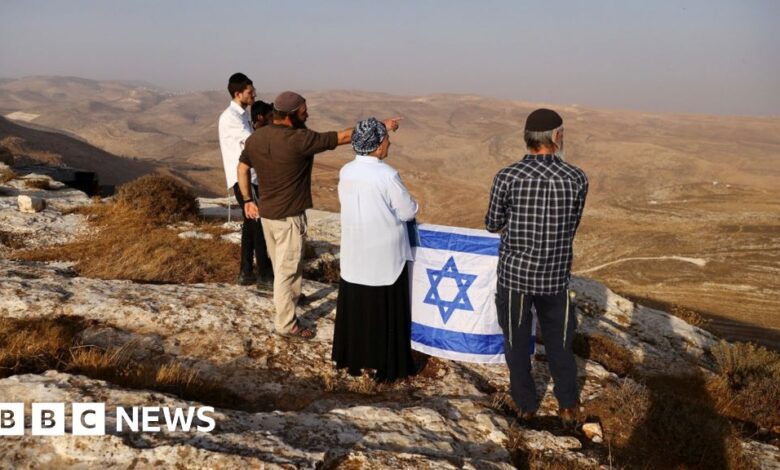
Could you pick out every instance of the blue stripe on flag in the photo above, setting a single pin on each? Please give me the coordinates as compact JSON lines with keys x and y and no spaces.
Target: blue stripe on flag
{"x":456,"y":242}
{"x":457,"y":341}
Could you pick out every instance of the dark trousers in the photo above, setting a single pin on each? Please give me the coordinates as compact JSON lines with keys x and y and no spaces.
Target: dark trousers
{"x":558,"y":321}
{"x":252,"y":242}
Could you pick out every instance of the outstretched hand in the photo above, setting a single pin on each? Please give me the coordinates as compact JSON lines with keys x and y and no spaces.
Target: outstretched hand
{"x":392,"y":123}
{"x":251,"y":210}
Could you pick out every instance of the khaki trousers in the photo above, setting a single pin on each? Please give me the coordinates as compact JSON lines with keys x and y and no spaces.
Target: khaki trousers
{"x":284,"y":239}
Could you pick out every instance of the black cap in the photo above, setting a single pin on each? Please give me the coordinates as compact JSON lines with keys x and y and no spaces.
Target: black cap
{"x":543,"y":120}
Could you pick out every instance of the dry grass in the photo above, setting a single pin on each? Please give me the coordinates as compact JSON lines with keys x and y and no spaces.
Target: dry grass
{"x":502,"y":402}
{"x":37,"y":183}
{"x":329,"y":379}
{"x":364,"y":385}
{"x":158,"y":199}
{"x":691,"y":317}
{"x":327,"y":269}
{"x":748,"y":384}
{"x":37,"y":345}
{"x":132,"y":241}
{"x":34,"y":345}
{"x":614,"y":357}
{"x":6,"y":175}
{"x":114,"y":365}
{"x":434,"y":368}
{"x":621,"y":408}
{"x":146,"y":254}
{"x":338,"y":381}
{"x":669,"y":413}
{"x":12,"y":240}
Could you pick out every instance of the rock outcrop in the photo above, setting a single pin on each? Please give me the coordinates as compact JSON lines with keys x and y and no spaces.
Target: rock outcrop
{"x":30,"y":204}
{"x":54,"y":224}
{"x":294,"y":410}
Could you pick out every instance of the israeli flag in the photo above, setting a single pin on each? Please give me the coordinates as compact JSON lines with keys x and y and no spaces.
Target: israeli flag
{"x":453,"y":287}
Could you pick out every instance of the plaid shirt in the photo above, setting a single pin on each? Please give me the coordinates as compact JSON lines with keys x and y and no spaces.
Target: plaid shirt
{"x":536,"y":204}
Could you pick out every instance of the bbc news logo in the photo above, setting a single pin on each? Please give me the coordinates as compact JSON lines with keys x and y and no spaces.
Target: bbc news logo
{"x":89,"y":419}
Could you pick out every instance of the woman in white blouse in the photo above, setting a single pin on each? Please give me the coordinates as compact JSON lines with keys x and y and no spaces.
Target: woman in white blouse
{"x":373,"y":315}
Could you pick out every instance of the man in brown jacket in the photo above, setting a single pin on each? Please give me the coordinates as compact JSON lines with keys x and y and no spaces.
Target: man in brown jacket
{"x":282,"y":155}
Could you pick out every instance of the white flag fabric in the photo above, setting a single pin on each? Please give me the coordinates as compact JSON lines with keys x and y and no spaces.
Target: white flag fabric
{"x":453,"y":287}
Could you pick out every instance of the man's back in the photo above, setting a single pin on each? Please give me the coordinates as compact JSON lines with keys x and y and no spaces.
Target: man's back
{"x":283,"y":158}
{"x":538,"y":203}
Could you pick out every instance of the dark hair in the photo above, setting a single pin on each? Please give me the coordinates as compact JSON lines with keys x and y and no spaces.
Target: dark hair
{"x":238,"y":83}
{"x":261,"y":108}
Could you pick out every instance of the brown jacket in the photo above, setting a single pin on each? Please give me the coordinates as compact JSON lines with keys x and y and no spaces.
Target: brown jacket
{"x":283,"y":158}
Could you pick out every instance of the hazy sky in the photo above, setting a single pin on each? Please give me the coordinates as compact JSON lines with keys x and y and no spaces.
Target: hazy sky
{"x":699,"y":56}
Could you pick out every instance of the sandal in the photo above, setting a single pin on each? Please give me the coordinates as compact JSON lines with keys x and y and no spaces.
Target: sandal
{"x":300,"y":332}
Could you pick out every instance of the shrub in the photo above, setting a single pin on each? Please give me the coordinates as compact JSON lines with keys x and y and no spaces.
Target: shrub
{"x":748,"y":383}
{"x":668,"y":422}
{"x":157,"y":199}
{"x":327,"y":269}
{"x":131,"y":241}
{"x":690,"y":316}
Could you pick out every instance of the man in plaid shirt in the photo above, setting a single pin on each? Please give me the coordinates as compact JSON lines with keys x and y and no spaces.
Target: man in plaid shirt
{"x":536,"y":205}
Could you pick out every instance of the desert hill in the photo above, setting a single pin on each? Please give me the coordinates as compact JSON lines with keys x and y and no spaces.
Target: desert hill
{"x":34,"y":146}
{"x":664,"y":188}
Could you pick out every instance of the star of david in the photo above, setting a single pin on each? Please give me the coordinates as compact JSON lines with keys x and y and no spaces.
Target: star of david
{"x":462,"y":280}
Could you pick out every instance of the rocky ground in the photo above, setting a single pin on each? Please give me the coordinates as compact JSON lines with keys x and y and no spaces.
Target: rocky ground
{"x":295,"y":411}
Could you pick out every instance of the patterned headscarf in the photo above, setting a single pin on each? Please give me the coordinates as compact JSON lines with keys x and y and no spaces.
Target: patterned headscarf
{"x":368,"y":135}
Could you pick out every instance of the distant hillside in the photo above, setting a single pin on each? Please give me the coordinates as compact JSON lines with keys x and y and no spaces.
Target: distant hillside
{"x":445,"y":141}
{"x":37,"y":146}
{"x":664,"y":188}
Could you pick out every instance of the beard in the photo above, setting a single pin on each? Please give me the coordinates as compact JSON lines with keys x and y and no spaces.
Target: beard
{"x":297,"y":122}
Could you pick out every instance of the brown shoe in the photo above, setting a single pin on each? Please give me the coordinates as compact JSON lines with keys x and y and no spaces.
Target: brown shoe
{"x":569,"y":416}
{"x":525,"y":417}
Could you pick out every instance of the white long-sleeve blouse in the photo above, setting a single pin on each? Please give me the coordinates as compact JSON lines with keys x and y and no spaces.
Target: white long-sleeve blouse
{"x":375,"y":206}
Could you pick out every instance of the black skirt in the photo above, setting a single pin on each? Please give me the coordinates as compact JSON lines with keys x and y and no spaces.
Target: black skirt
{"x":373,"y":329}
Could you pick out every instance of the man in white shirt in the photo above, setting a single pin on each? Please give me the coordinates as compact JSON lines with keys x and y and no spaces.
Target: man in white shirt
{"x":234,"y":128}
